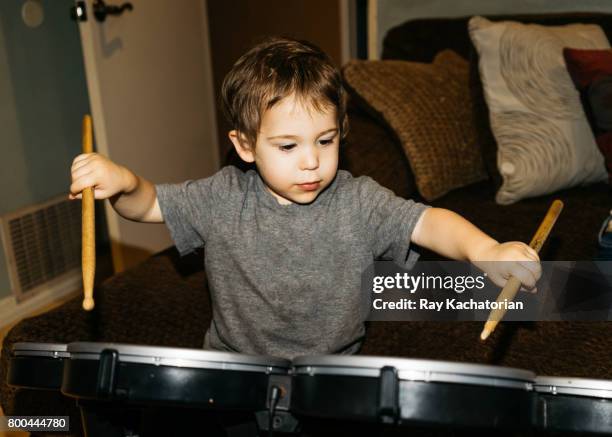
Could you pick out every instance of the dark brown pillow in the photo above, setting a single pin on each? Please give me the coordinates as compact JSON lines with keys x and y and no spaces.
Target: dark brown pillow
{"x":428,"y":106}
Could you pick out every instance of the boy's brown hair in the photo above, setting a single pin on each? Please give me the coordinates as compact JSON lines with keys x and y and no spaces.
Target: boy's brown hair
{"x":277,"y":68}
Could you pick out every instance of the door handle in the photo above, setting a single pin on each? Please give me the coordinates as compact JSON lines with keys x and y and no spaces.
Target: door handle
{"x":101,"y":9}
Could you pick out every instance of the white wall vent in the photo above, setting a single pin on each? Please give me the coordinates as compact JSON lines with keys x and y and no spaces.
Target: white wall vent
{"x":42,"y":244}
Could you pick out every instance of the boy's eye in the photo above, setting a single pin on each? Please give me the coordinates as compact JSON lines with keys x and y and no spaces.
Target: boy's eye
{"x":286,"y":147}
{"x":327,"y":141}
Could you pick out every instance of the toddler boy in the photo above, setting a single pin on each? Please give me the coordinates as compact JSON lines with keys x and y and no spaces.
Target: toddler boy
{"x":286,"y":245}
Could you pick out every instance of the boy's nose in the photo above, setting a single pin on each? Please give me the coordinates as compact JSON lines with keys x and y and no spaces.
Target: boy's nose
{"x":310,"y":159}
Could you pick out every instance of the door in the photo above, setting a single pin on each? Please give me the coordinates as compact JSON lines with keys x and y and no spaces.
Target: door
{"x":149,"y":79}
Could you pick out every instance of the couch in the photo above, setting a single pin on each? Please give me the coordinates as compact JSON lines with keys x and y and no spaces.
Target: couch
{"x":164,"y":301}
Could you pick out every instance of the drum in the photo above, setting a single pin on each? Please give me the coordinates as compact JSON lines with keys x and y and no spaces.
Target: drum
{"x":166,"y":375}
{"x":37,"y":365}
{"x":574,"y":404}
{"x":125,"y":389}
{"x":412,"y":392}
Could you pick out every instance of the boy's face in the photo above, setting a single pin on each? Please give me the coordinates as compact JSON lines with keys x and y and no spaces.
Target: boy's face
{"x":296,"y":151}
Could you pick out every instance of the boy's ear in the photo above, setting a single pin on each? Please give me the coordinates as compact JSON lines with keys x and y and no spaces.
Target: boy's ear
{"x":244,"y":150}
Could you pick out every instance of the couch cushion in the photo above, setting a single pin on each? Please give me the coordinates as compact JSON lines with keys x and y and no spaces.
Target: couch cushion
{"x":479,"y":106}
{"x":544,"y":142}
{"x":591,"y":71}
{"x":425,"y":104}
{"x":372,"y":149}
{"x":574,"y":236}
{"x":421,"y":39}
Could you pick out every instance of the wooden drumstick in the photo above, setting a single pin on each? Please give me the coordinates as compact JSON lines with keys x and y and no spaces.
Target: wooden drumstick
{"x":88,"y":254}
{"x":512,"y":286}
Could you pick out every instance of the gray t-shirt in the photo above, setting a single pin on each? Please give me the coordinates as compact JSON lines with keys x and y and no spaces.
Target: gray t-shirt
{"x":285,"y":280}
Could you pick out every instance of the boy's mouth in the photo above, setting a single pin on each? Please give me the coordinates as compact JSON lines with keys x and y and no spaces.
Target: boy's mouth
{"x":310,"y":186}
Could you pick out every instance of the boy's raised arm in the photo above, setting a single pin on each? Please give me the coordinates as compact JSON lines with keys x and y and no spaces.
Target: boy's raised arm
{"x":452,"y":236}
{"x":132,"y":196}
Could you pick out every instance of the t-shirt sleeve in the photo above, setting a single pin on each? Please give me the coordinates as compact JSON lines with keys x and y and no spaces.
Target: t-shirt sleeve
{"x":389,"y":221}
{"x":188,"y":209}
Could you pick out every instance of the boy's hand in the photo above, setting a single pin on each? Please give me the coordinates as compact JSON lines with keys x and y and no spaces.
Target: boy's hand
{"x":94,"y":170}
{"x":500,"y":261}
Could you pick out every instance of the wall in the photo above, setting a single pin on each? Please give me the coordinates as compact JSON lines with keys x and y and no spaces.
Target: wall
{"x":43,"y":97}
{"x":235,"y":25}
{"x":390,"y":13}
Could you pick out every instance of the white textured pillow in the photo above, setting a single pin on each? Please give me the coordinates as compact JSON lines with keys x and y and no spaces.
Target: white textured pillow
{"x":544,"y":142}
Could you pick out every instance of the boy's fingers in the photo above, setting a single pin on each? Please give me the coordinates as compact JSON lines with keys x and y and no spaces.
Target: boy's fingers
{"x":82,"y":157}
{"x":80,"y":172}
{"x":498,"y":280}
{"x":533,"y":253}
{"x":78,"y":159}
{"x":78,"y":165}
{"x":534,"y":267}
{"x":98,"y":194}
{"x":81,"y":183}
{"x":82,"y":179}
{"x":524,"y":275}
{"x":82,"y":161}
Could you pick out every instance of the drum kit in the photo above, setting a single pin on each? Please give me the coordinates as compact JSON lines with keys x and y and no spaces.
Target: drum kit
{"x":131,"y":390}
